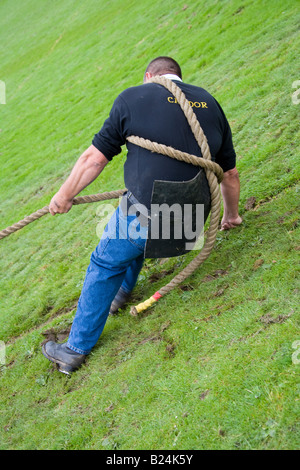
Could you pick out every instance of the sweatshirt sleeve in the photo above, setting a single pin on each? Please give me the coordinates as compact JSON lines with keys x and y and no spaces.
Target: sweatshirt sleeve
{"x":226,"y":156}
{"x":112,"y":135}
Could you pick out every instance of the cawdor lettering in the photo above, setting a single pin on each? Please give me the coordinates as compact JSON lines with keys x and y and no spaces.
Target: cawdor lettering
{"x":193,"y":104}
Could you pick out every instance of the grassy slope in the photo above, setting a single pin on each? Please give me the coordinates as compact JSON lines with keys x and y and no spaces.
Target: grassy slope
{"x":210,"y":366}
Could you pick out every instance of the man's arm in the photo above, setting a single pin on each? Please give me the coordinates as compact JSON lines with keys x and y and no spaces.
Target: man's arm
{"x":230,"y":188}
{"x":87,"y":168}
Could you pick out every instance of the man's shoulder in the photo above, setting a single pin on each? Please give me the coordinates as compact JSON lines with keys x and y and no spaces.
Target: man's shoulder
{"x":148,"y":88}
{"x":134,"y":91}
{"x":194,"y":89}
{"x":151,"y":91}
{"x":140,"y":95}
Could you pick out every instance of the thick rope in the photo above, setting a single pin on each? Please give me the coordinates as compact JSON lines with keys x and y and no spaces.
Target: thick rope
{"x":214,"y":175}
{"x":45,"y":210}
{"x":178,"y":155}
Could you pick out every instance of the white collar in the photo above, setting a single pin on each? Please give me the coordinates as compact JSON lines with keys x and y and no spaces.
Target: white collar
{"x":171,"y":76}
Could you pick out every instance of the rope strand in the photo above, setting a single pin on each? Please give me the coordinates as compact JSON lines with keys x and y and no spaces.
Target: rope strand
{"x":45,"y":210}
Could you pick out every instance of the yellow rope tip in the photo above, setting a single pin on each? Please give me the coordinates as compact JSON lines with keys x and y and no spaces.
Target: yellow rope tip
{"x":145,"y":305}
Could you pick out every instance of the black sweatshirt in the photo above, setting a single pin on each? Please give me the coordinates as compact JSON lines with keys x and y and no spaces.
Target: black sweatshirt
{"x":150,"y":111}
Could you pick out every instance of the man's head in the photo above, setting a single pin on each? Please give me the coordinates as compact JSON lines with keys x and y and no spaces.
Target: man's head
{"x":160,"y":66}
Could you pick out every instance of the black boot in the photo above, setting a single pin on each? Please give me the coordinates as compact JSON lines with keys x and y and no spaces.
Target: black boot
{"x":66,"y":359}
{"x":121,"y":298}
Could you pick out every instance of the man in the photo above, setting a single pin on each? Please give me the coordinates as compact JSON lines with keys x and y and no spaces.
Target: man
{"x":147,"y":111}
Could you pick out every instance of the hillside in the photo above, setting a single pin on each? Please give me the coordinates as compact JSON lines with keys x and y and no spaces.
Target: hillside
{"x":214,"y":365}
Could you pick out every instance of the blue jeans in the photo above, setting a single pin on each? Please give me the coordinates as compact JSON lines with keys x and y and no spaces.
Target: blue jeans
{"x":116,"y":262}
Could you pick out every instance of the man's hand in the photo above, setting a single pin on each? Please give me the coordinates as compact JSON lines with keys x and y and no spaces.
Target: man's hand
{"x":227,"y":224}
{"x":59,"y":204}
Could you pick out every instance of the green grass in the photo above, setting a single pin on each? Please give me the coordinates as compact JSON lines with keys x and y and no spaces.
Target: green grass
{"x":210,"y":366}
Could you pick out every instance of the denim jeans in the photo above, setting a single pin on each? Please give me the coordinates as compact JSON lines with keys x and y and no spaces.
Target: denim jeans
{"x":116,"y":262}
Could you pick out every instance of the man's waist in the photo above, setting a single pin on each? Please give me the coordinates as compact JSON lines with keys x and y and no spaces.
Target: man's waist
{"x":131,"y":206}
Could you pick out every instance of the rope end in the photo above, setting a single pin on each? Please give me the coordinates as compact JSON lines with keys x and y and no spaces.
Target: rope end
{"x":134,"y":311}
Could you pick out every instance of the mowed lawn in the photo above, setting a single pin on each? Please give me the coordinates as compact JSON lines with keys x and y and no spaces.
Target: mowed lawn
{"x":215,"y":364}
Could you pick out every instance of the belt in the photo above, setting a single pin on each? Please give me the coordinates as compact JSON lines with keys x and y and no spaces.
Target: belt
{"x":128,"y":200}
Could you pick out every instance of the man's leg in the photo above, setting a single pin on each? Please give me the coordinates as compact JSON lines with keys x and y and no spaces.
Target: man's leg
{"x":132,"y":274}
{"x":105,"y":274}
{"x":128,"y":284}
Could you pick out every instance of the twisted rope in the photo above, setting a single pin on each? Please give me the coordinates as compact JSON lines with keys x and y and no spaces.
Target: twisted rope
{"x":214,"y":175}
{"x":178,"y":155}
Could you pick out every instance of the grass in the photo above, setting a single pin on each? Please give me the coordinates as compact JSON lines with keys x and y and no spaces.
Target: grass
{"x":210,"y":366}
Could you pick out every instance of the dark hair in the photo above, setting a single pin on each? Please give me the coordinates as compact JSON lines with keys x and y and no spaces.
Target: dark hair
{"x":162,"y":65}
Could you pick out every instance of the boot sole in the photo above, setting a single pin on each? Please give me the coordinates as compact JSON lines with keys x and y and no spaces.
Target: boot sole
{"x":62,"y":366}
